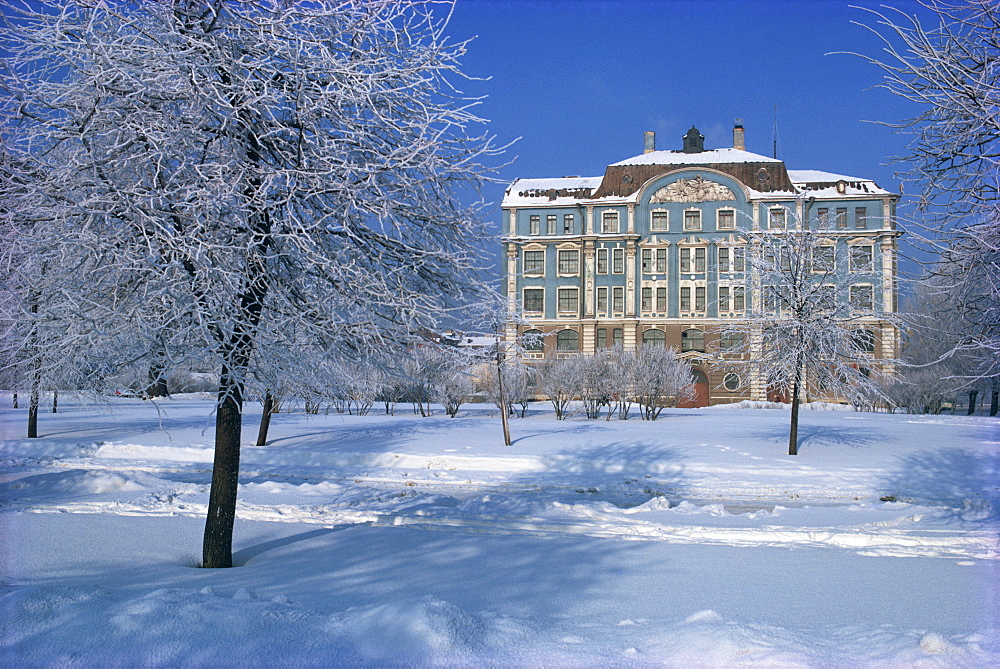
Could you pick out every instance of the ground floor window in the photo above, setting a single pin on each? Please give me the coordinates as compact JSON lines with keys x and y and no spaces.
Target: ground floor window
{"x":654,"y":337}
{"x":567,"y":340}
{"x":693,"y":340}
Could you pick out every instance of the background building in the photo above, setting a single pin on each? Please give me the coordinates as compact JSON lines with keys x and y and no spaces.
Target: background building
{"x":650,"y":252}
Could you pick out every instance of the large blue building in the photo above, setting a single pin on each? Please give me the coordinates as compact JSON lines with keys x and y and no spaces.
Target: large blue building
{"x":650,"y":252}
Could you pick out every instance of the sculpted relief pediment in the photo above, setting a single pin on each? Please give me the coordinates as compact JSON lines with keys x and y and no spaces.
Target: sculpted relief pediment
{"x":693,"y":190}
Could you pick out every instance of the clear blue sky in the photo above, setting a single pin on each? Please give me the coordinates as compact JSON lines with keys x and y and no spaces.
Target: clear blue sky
{"x":579,"y":81}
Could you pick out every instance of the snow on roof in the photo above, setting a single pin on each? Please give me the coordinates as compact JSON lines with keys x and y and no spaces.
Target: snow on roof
{"x":702,"y":158}
{"x":827,"y":183}
{"x":541,"y":191}
{"x":818,"y":176}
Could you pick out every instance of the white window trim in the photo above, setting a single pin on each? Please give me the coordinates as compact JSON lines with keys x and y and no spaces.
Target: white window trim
{"x":784,"y":217}
{"x":607,"y":261}
{"x":533,"y":273}
{"x":559,"y":309}
{"x":718,"y":225}
{"x":684,"y":223}
{"x":659,"y":211}
{"x":568,"y":274}
{"x":870,"y":268}
{"x":524,"y":302}
{"x":605,"y":215}
{"x":833,"y":260}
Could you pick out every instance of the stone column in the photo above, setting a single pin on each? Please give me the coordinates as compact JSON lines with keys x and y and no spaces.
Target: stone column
{"x":589,"y":223}
{"x":589,"y":253}
{"x":631,"y":219}
{"x":630,"y":278}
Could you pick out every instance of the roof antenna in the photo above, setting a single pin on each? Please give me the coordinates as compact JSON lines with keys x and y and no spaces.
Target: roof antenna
{"x":774,"y":134}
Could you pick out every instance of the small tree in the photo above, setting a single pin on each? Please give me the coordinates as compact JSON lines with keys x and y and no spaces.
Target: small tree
{"x":804,"y":330}
{"x":559,"y":380}
{"x":660,"y":379}
{"x":621,"y":374}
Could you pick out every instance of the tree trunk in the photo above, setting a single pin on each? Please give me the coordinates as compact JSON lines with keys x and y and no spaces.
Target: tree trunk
{"x":55,"y":401}
{"x":157,"y":381}
{"x":217,"y":551}
{"x":504,"y":419}
{"x":15,"y":399}
{"x":265,"y":418}
{"x":994,"y":396}
{"x":793,"y":431}
{"x":972,"y":402}
{"x":33,"y":411}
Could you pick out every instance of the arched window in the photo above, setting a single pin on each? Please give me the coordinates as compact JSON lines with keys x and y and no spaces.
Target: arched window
{"x":567,"y":340}
{"x":533,"y":340}
{"x":731,"y":382}
{"x":693,"y":340}
{"x":654,"y":337}
{"x":730,"y":340}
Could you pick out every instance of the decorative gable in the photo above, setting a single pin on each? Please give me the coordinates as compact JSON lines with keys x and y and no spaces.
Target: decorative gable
{"x":697,"y":189}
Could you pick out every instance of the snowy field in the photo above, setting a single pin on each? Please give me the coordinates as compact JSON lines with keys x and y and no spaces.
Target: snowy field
{"x":408,"y":541}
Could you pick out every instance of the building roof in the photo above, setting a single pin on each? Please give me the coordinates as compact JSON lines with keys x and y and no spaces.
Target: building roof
{"x":824,"y":184}
{"x":565,"y":190}
{"x":699,"y":158}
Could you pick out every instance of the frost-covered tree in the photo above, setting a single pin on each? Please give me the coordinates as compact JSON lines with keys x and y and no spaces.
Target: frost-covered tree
{"x":806,"y":330}
{"x":620,"y":381}
{"x":559,"y":381}
{"x":947,"y":64}
{"x":660,"y":379}
{"x":254,"y":167}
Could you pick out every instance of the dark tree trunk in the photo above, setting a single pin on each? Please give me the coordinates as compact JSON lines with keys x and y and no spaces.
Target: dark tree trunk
{"x":793,"y":431}
{"x":55,"y":401}
{"x":33,"y":412}
{"x":15,"y":399}
{"x":265,"y":418}
{"x":217,"y":551}
{"x":972,"y":402}
{"x":157,"y":381}
{"x":994,"y":396}
{"x":503,"y":399}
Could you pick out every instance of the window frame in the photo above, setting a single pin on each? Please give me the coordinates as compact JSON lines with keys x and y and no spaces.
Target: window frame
{"x":659,"y":215}
{"x":649,"y":339}
{"x":661,"y":299}
{"x":533,"y":270}
{"x":861,"y":218}
{"x":551,"y":222}
{"x":646,"y":298}
{"x":534,"y":225}
{"x":607,"y":217}
{"x":602,"y":261}
{"x":732,"y":218}
{"x":618,"y":299}
{"x":561,"y":340}
{"x":564,"y":301}
{"x":602,"y":297}
{"x":869,"y":264}
{"x":569,"y":224}
{"x":568,"y":262}
{"x":823,"y":265}
{"x":841,"y":218}
{"x":777,"y":215}
{"x":540,"y":300}
{"x":618,"y":260}
{"x":692,"y":219}
{"x":688,"y":341}
{"x":869,"y":289}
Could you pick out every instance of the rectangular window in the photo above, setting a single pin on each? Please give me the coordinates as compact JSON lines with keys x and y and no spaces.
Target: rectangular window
{"x":617,"y":337}
{"x":659,"y":222}
{"x":602,"y":339}
{"x":823,"y":217}
{"x":726,"y":219}
{"x":861,"y":258}
{"x":739,"y":259}
{"x":661,"y":261}
{"x":550,"y":224}
{"x":723,"y":259}
{"x":534,"y":299}
{"x":661,"y":299}
{"x":860,"y":218}
{"x":841,"y":218}
{"x":739,"y":298}
{"x":685,"y":298}
{"x":692,"y":220}
{"x":618,"y":299}
{"x":609,"y":222}
{"x":647,"y":261}
{"x":618,"y":261}
{"x":776,"y":219}
{"x":569,"y":262}
{"x":567,"y":224}
{"x":534,"y":262}
{"x":771,"y":300}
{"x":602,"y":261}
{"x":647,"y":299}
{"x":534,"y":225}
{"x":685,"y":261}
{"x":699,"y":259}
{"x":699,"y":298}
{"x":723,"y":298}
{"x":827,"y":297}
{"x":568,"y":300}
{"x":861,"y":297}
{"x":602,"y":299}
{"x":823,"y":259}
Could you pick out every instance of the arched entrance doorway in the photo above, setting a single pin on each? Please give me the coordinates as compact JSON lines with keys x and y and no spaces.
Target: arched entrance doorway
{"x":700,"y":398}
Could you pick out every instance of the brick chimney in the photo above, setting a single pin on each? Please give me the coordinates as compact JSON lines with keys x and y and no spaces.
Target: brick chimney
{"x":650,"y":144}
{"x":738,"y":140}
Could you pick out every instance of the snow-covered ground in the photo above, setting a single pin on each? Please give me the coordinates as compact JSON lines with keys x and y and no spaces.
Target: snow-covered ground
{"x":400,"y":540}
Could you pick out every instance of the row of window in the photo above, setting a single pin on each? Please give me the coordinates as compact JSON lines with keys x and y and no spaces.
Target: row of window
{"x":725,"y":219}
{"x":692,"y":260}
{"x":692,"y":339}
{"x":692,"y":299}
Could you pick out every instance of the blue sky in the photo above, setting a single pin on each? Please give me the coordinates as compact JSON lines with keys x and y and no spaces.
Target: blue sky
{"x":580,"y":81}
